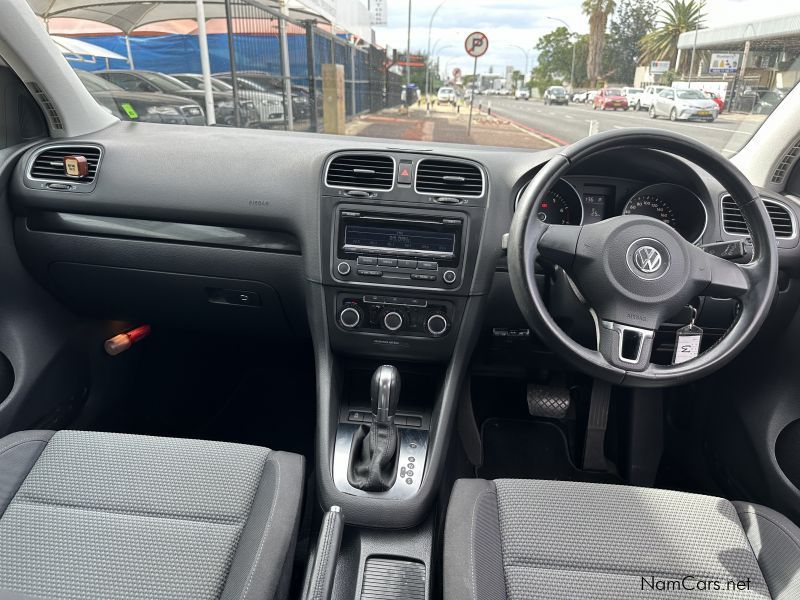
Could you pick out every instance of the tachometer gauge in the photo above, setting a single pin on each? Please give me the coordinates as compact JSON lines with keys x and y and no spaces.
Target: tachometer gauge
{"x":554,"y":209}
{"x":650,"y":205}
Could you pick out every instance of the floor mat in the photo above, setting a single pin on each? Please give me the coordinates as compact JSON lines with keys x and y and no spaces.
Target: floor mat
{"x":520,"y":449}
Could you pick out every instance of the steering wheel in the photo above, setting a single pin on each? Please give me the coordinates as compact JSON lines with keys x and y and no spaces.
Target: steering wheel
{"x":635,"y":272}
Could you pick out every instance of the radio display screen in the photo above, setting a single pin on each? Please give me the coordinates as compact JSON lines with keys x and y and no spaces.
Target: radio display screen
{"x":399,"y":239}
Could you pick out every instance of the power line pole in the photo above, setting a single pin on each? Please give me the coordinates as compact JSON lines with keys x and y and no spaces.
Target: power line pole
{"x":408,"y":59}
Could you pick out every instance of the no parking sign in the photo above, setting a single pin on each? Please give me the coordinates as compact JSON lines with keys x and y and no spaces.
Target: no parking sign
{"x":476,"y":46}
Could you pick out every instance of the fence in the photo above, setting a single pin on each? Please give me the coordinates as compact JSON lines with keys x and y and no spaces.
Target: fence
{"x":274,"y":59}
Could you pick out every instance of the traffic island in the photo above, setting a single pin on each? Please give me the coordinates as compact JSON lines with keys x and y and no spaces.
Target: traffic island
{"x":448,"y":124}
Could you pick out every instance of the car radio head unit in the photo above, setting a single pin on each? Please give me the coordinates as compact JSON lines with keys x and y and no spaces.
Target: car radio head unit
{"x":387,"y":248}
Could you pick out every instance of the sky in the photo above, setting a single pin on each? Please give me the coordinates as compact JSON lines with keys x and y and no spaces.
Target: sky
{"x":510,"y":23}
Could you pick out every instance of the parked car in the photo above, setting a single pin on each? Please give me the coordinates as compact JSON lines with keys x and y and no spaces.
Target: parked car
{"x":762,"y":101}
{"x":263,"y":82}
{"x":267,"y":105}
{"x":646,"y":99}
{"x":590,"y":96}
{"x":142,"y":106}
{"x":159,"y":83}
{"x":522,"y":94}
{"x":683,"y":105}
{"x":556,"y":94}
{"x":446,"y":95}
{"x":632,"y":94}
{"x":716,"y":98}
{"x":609,"y":98}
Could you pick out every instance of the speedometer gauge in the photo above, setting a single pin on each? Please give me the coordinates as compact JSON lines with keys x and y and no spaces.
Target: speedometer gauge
{"x":554,"y":209}
{"x":650,"y":205}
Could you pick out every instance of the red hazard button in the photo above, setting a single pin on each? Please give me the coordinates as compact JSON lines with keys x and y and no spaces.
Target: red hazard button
{"x":405,"y":172}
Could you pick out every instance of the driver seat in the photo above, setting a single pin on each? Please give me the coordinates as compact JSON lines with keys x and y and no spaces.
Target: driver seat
{"x":510,"y":539}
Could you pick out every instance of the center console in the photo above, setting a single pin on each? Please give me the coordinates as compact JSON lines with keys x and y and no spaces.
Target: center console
{"x":400,"y":235}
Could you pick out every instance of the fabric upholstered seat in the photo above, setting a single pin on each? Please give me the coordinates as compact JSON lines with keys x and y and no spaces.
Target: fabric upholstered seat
{"x":514,"y":539}
{"x":101,"y":515}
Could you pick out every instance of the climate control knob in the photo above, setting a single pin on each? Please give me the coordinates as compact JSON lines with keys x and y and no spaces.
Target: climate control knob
{"x":350,"y":317}
{"x":392,"y":320}
{"x":437,"y":325}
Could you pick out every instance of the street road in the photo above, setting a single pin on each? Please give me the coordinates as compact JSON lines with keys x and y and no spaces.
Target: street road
{"x":567,"y":124}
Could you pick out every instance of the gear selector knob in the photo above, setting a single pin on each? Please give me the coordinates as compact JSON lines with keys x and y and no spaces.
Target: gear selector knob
{"x":385,"y":392}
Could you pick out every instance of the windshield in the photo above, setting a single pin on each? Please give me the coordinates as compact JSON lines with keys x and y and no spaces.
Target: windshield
{"x":690,"y":95}
{"x":511,"y":73}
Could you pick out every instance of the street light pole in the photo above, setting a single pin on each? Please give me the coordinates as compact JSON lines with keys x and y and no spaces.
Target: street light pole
{"x":527,"y":60}
{"x":574,"y":44}
{"x":428,"y":57}
{"x":408,"y":60}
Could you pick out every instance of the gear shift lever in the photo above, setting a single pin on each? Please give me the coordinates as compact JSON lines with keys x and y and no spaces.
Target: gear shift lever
{"x":385,"y":393}
{"x":373,"y":455}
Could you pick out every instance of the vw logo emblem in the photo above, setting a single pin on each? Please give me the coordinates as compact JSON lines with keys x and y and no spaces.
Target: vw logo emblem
{"x":647,"y":259}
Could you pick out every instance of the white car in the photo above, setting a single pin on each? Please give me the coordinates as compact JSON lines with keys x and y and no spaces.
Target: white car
{"x":522,"y":94}
{"x":632,"y":94}
{"x":646,"y":99}
{"x":446,"y":95}
{"x":683,"y":105}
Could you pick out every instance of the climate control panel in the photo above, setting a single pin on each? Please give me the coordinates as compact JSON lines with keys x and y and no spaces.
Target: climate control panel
{"x":394,"y":315}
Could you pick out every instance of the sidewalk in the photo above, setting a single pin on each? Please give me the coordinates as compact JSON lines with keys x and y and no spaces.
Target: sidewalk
{"x":447,"y":123}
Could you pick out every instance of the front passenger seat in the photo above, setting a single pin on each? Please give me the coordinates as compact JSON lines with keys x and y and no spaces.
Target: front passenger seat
{"x":558,"y":540}
{"x":104,"y":515}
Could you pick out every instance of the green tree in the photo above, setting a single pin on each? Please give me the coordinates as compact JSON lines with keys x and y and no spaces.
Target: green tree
{"x":598,"y":12}
{"x":677,"y":17}
{"x":554,"y":62}
{"x":632,"y":20}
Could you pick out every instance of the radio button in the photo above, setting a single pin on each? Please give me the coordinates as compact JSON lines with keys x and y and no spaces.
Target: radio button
{"x":449,"y":276}
{"x":367,"y":260}
{"x":387,"y":262}
{"x":405,"y":173}
{"x":343,"y":268}
{"x":427,"y":265}
{"x":407,"y":264}
{"x":423,"y":277}
{"x":370,"y":273}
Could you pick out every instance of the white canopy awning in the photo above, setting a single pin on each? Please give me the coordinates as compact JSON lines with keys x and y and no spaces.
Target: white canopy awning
{"x":70,"y":46}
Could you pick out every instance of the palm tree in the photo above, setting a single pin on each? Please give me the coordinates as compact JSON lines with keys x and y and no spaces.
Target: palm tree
{"x":598,"y":12}
{"x":677,"y":17}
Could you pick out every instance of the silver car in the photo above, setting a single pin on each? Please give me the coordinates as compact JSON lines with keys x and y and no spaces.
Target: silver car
{"x":683,"y":105}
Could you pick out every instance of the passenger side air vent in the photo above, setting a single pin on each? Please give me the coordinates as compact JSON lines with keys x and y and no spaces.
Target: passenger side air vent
{"x":49,"y":163}
{"x":371,"y":172}
{"x":733,"y":221}
{"x":449,"y":178}
{"x":786,"y":163}
{"x":53,"y":118}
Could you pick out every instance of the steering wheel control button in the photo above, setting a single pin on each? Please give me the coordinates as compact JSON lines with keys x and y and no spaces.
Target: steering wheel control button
{"x":648,"y":258}
{"x":437,"y":325}
{"x":350,"y":317}
{"x":343,"y":268}
{"x":449,"y":277}
{"x":393,"y":320}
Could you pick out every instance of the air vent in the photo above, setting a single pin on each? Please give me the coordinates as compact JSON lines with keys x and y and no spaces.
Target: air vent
{"x":53,"y":118}
{"x":449,"y":178}
{"x":49,"y":163}
{"x":786,"y":163}
{"x":371,"y":172}
{"x":733,"y":221}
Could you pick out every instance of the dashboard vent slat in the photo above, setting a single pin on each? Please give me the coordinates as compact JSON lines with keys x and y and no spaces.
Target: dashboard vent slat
{"x":48,"y":164}
{"x":733,"y":221}
{"x":361,"y":172}
{"x":449,"y":178}
{"x":786,"y":163}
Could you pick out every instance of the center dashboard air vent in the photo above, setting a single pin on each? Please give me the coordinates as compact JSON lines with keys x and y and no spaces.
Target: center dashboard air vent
{"x":733,"y":221}
{"x":48,"y":164}
{"x":371,"y":172}
{"x":449,"y":178}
